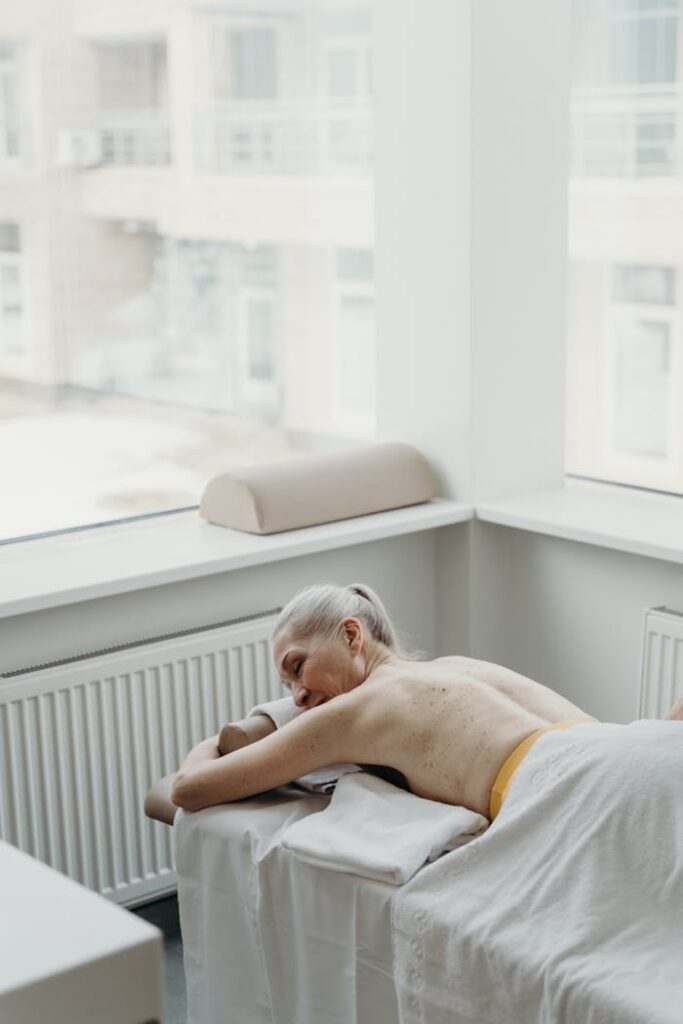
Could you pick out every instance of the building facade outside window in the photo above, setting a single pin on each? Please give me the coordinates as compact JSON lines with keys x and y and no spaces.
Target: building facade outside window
{"x":625,"y":378}
{"x":171,"y":302}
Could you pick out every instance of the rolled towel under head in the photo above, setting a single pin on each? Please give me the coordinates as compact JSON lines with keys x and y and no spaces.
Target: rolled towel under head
{"x":319,"y":488}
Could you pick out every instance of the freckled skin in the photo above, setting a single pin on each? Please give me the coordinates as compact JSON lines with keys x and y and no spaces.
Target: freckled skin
{"x":448,"y":725}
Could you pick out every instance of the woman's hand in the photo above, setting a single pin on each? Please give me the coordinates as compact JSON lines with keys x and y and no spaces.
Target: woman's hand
{"x":236,"y":735}
{"x":676,"y":713}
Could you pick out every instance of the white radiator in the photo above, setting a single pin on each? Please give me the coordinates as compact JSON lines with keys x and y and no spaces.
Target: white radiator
{"x":661,"y":679}
{"x":81,"y":742}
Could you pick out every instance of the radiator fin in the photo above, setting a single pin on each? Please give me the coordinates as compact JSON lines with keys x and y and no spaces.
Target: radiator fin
{"x":82,"y":741}
{"x":661,"y":682}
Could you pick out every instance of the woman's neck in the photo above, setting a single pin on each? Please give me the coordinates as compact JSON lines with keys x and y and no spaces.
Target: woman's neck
{"x":381,"y":659}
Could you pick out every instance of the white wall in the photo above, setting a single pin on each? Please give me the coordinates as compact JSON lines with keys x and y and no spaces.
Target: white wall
{"x":567,"y":614}
{"x":520,"y":59}
{"x":422,"y":216}
{"x":471,"y":102}
{"x":401,"y":569}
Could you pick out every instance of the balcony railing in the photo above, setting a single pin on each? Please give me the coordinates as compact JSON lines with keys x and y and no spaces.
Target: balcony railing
{"x":134,"y":138}
{"x":627,"y":133}
{"x":306,"y":137}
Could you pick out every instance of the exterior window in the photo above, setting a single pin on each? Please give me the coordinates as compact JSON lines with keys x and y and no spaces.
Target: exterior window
{"x":642,"y":368}
{"x":253,"y":64}
{"x":653,"y":285}
{"x":356,"y":354}
{"x":642,"y":43}
{"x":132,"y":93}
{"x":625,"y":376}
{"x":357,"y":383}
{"x":12,"y":142}
{"x":261,"y":335}
{"x":11,"y":301}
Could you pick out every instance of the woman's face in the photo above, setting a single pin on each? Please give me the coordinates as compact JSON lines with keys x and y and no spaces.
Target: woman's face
{"x":315,"y":670}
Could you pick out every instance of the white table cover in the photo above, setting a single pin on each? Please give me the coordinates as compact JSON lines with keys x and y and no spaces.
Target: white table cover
{"x":270,"y":939}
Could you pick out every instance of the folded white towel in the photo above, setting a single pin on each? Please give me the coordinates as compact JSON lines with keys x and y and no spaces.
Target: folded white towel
{"x":279,"y":711}
{"x":323,"y":780}
{"x":374,"y":829}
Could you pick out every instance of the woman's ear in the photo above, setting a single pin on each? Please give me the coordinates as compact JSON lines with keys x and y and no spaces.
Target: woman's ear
{"x":353,"y":634}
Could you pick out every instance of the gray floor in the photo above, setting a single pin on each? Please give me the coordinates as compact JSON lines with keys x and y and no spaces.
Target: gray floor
{"x":164,"y":914}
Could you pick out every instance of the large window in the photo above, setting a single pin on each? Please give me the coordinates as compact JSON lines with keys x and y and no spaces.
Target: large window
{"x":625,"y":374}
{"x":186,"y":232}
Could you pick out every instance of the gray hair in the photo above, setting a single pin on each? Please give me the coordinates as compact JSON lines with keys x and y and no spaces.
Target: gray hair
{"x":320,"y":609}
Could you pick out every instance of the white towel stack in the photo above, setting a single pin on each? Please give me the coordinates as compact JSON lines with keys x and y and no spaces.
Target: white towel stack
{"x":374,"y":829}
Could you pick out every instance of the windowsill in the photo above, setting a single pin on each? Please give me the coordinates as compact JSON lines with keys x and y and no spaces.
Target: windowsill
{"x":79,"y":566}
{"x":638,"y":522}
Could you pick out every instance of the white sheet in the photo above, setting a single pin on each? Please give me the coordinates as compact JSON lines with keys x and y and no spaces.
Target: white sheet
{"x":570,"y":907}
{"x":374,"y":829}
{"x":269,"y":939}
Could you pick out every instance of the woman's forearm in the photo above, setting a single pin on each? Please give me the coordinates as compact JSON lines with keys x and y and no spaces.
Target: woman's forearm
{"x":206,"y":750}
{"x":231,"y":738}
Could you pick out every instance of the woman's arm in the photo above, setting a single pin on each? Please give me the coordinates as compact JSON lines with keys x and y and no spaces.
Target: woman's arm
{"x":231,"y":737}
{"x":205,"y":750}
{"x":324,"y":735}
{"x":158,"y":803}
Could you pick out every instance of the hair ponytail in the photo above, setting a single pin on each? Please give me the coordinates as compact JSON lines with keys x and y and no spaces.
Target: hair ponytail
{"x":320,"y":609}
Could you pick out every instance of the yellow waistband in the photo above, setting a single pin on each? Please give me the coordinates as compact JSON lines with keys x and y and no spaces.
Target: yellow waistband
{"x":506,"y":773}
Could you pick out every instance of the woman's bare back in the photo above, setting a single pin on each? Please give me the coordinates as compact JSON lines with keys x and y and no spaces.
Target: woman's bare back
{"x":450,"y":725}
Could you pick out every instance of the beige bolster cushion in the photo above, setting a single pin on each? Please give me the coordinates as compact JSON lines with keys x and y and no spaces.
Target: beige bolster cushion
{"x":319,"y":488}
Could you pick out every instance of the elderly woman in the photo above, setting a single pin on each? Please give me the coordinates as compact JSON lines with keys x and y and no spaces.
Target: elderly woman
{"x":454,"y":727}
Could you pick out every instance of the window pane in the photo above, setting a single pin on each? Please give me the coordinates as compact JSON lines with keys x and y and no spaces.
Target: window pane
{"x":254,"y":68}
{"x":643,"y":50}
{"x":261,"y":340}
{"x":624,"y":366}
{"x":186,"y":277}
{"x":355,"y":264}
{"x":9,"y":237}
{"x":644,"y":284}
{"x":341,"y":72}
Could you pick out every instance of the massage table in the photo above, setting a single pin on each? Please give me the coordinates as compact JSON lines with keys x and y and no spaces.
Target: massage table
{"x":568,"y":908}
{"x":269,"y":939}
